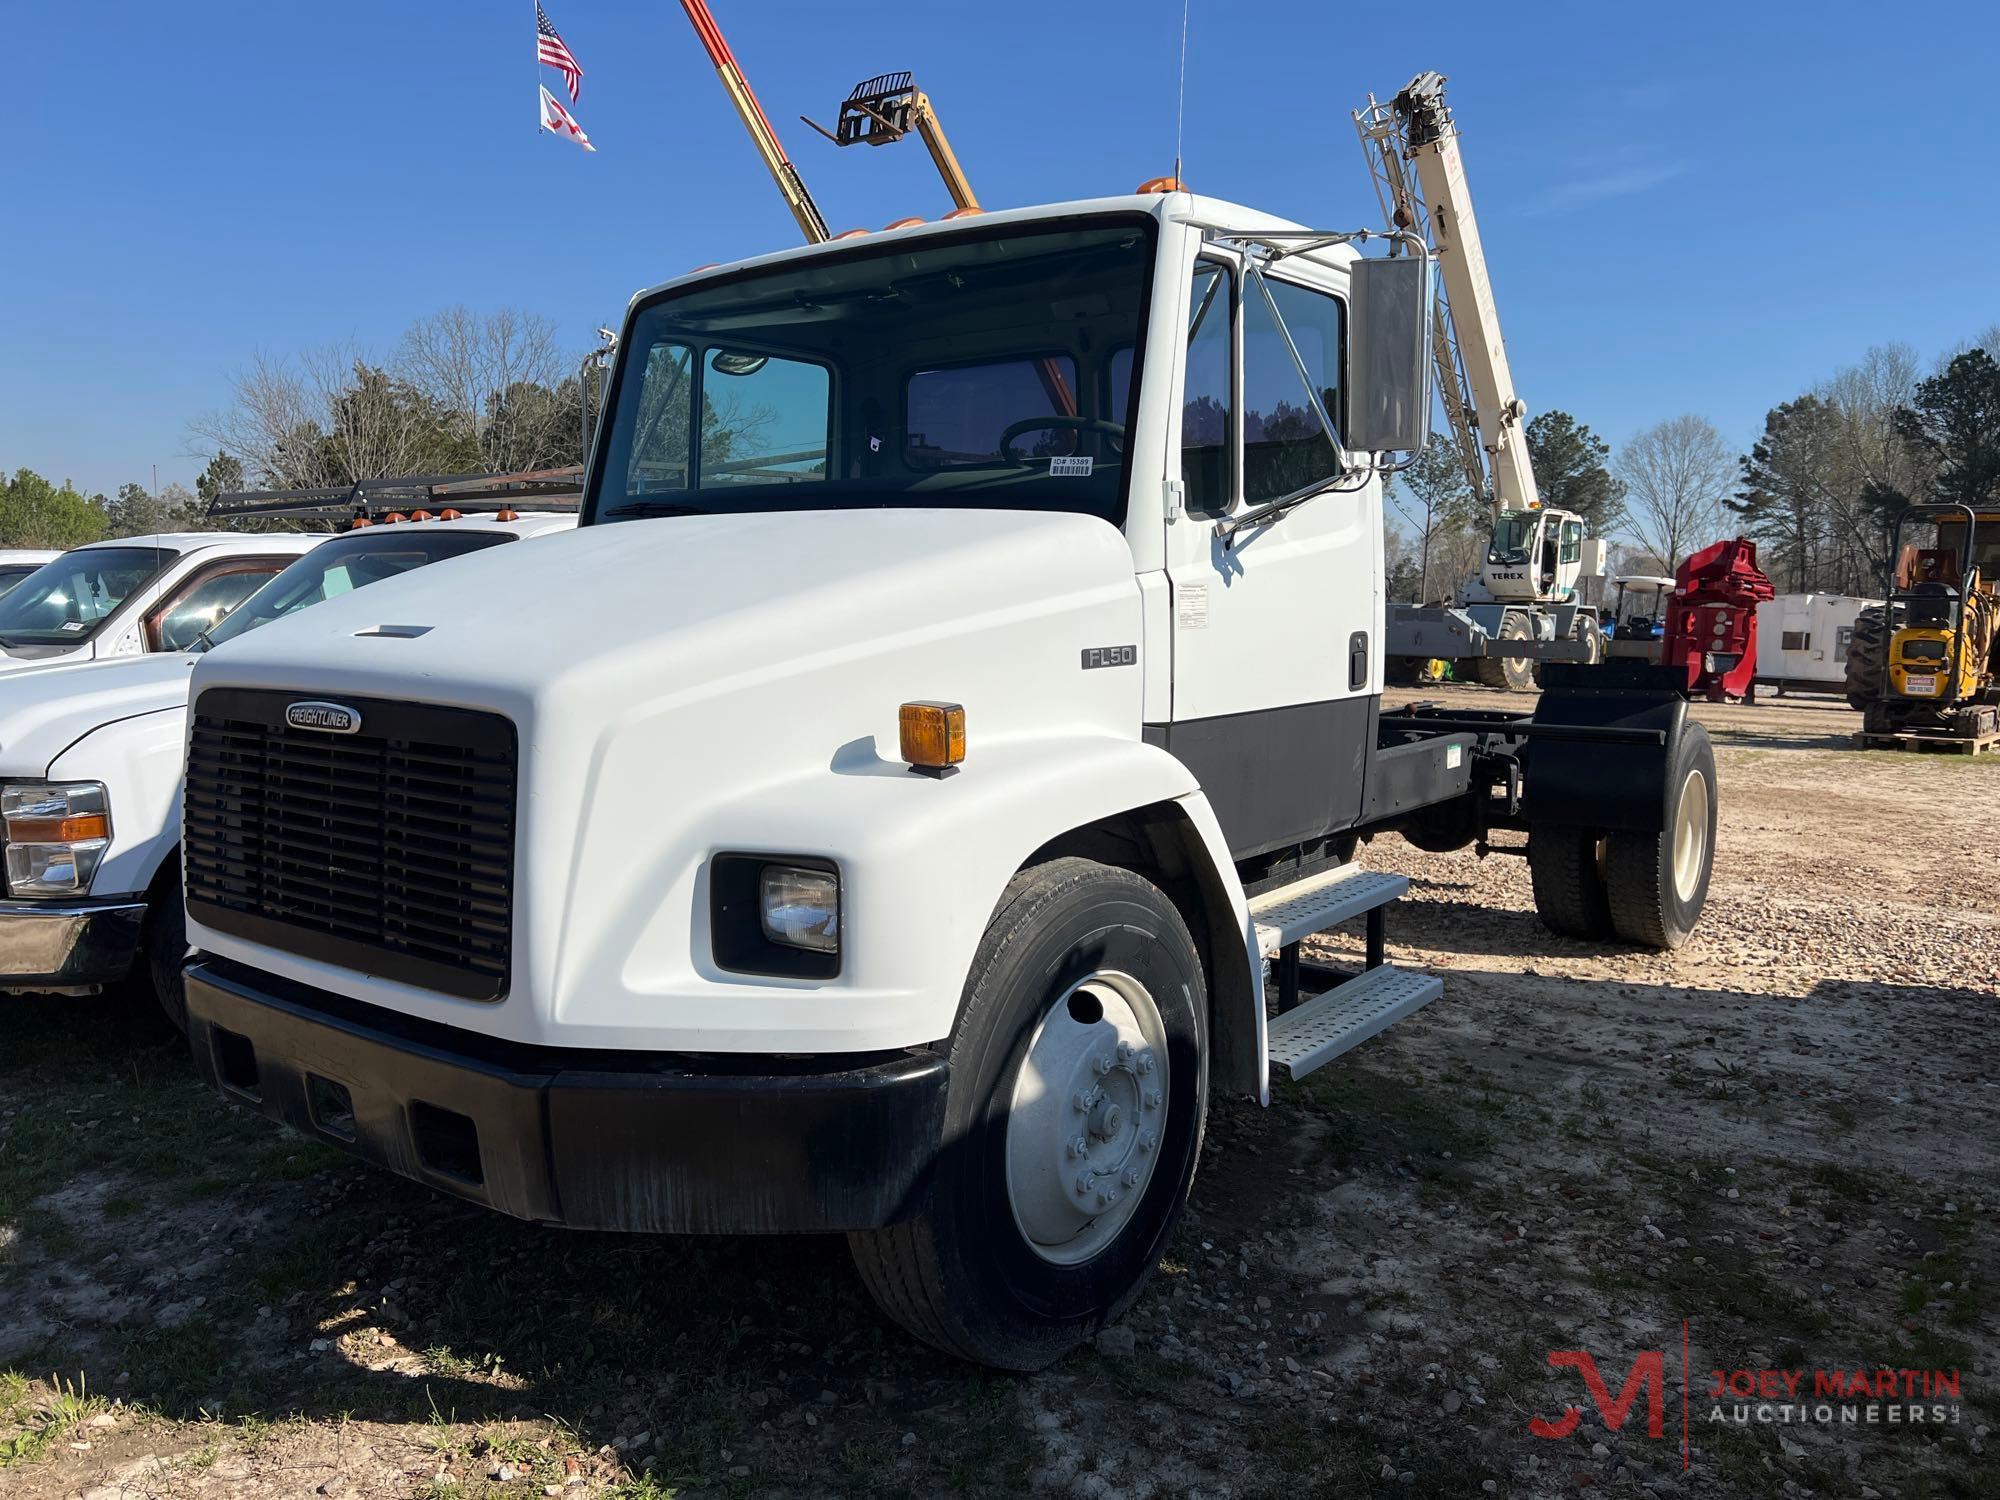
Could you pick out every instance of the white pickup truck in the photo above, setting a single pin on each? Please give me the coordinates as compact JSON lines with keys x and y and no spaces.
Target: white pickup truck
{"x":91,"y":766}
{"x":136,"y":594}
{"x":965,"y":683}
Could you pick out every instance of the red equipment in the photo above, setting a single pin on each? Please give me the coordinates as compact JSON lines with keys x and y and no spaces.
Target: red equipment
{"x":1711,"y":632}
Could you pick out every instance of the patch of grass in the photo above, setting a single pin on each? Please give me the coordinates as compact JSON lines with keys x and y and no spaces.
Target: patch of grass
{"x":178,"y":1370}
{"x":121,"y":1206}
{"x":1842,"y":1182}
{"x":1376,"y":1114}
{"x":49,"y":1419}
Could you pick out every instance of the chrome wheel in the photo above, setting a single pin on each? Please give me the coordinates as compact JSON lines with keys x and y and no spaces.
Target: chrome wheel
{"x":1087,"y":1116}
{"x":1691,"y":835}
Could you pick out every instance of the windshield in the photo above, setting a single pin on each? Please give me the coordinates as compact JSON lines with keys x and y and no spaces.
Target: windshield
{"x":1950,"y":536}
{"x":993,"y":369}
{"x":1513,"y":536}
{"x":348,"y":563}
{"x":68,"y":598}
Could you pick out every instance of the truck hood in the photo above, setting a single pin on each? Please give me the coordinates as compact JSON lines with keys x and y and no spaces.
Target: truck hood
{"x":45,"y":710}
{"x":654,"y":607}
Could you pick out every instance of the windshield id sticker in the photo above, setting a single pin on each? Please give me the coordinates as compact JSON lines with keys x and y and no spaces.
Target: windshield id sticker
{"x":1069,"y":468}
{"x":74,"y":624}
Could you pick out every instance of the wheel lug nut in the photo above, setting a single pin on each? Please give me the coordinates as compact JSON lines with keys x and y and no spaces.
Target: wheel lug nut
{"x":1130,"y":1177}
{"x":1084,"y":1185}
{"x":1080,"y":1102}
{"x":1153,"y":1099}
{"x":1101,"y":1065}
{"x":1078,"y":1145}
{"x":1124,"y":1051}
{"x":1145,"y":1063}
{"x":1147,"y":1141}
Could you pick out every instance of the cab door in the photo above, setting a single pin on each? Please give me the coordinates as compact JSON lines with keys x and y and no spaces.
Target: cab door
{"x":1276,"y":628}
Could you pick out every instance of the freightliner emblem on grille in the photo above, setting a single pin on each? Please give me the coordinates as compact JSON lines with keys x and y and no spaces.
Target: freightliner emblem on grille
{"x":334,"y":718}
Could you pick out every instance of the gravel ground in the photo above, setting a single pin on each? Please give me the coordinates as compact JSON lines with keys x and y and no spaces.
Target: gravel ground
{"x":1777,"y":1144}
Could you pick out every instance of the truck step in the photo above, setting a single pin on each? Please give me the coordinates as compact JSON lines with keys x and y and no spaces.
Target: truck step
{"x":1318,"y":902}
{"x":1346,"y":1016}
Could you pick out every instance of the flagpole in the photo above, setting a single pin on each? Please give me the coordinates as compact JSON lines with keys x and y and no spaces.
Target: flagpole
{"x":540,"y":129}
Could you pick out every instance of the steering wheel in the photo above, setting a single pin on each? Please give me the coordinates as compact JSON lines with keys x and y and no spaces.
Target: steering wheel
{"x":1113,"y":430}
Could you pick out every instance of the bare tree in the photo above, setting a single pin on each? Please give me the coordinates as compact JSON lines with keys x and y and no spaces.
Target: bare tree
{"x":499,"y":374}
{"x":329,"y":416}
{"x":1676,"y":476}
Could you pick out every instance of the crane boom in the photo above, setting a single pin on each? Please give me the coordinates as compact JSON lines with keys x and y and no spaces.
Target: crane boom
{"x":1485,"y":411}
{"x":790,"y":184}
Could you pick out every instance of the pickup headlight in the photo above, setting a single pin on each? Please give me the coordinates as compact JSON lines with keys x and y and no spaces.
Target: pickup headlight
{"x":57,"y":833}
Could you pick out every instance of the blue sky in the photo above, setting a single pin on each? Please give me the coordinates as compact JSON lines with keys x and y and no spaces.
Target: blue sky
{"x":1696,"y":207}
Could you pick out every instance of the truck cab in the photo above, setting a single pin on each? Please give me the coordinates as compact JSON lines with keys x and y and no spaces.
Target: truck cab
{"x":135,"y":595}
{"x":966,"y":682}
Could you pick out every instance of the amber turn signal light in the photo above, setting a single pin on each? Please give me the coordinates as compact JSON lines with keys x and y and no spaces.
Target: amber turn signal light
{"x":933,"y":736}
{"x":71,"y":830}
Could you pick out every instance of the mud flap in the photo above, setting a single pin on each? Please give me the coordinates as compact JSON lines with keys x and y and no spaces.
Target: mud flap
{"x":1611,"y":773}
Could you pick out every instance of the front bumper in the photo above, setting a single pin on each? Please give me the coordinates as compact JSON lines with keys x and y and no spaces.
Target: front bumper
{"x":51,"y":945}
{"x":647,"y":1142}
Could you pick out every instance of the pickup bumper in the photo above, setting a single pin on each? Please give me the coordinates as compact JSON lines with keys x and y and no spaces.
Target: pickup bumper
{"x":59,"y":945}
{"x":652,"y":1143}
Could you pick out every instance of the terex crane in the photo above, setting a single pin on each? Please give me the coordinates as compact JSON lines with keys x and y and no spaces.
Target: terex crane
{"x":1524,"y":603}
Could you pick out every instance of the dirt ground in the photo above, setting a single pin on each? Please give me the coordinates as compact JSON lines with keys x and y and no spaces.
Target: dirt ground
{"x":1772,"y":1150}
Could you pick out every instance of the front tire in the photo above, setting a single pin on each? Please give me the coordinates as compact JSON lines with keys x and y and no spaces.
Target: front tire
{"x":1658,"y":882}
{"x":1515,"y":674}
{"x":1867,"y":656}
{"x":1084,"y":1020}
{"x":164,"y":945}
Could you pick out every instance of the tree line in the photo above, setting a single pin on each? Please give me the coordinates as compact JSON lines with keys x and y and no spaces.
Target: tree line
{"x":461,"y":393}
{"x":1817,"y":489}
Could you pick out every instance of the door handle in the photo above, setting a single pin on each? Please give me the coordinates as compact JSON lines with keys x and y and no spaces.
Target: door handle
{"x":1357,"y":660}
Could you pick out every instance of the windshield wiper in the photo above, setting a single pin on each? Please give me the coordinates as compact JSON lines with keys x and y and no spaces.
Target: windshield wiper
{"x":655,"y":508}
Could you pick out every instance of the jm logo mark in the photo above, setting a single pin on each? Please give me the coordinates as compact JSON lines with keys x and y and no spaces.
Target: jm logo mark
{"x":1648,"y":1373}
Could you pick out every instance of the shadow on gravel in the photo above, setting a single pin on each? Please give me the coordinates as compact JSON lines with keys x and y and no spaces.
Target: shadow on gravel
{"x":196,"y":1260}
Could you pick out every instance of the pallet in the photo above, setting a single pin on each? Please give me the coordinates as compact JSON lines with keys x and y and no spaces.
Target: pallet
{"x":1930,"y":744}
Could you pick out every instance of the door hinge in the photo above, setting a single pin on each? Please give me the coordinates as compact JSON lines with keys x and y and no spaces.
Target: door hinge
{"x":1176,"y":493}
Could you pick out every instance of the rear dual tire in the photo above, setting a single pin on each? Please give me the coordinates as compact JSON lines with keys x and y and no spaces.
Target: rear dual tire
{"x":1646,"y":888}
{"x":1022,"y":1247}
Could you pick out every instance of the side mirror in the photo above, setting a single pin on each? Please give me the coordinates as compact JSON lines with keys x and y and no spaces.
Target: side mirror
{"x":1389,"y":405}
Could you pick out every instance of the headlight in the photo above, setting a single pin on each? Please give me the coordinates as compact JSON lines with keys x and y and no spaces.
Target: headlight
{"x":800,"y":908}
{"x":57,"y":833}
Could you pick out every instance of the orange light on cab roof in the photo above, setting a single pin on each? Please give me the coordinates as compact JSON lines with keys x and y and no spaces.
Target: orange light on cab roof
{"x":450,"y":515}
{"x":932,"y":735}
{"x":70,"y":830}
{"x":1162,"y":185}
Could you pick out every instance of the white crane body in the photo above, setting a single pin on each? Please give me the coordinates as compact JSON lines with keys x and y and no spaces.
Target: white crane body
{"x":1524,"y":603}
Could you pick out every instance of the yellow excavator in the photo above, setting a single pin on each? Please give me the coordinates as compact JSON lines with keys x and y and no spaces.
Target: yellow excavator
{"x":1925,"y":668}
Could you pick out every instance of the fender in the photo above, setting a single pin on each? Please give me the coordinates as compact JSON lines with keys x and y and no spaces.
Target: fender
{"x":923,"y":863}
{"x":140,"y":760}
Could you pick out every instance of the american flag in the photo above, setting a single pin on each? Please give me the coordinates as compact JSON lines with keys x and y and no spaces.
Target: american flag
{"x":549,"y":48}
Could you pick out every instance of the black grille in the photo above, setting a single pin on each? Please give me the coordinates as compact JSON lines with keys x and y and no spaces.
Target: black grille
{"x":389,"y":850}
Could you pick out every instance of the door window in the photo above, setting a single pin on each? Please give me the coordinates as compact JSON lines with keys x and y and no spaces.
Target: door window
{"x":1572,"y":541}
{"x":1205,"y":398}
{"x":1285,"y":449}
{"x":206,"y":600}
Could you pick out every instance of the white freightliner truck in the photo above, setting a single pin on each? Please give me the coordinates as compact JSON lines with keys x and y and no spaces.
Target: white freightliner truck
{"x":91,"y":758}
{"x":965,"y":682}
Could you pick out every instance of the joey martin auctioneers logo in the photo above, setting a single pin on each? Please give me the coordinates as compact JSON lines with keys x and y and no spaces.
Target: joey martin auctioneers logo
{"x":1849,"y":1397}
